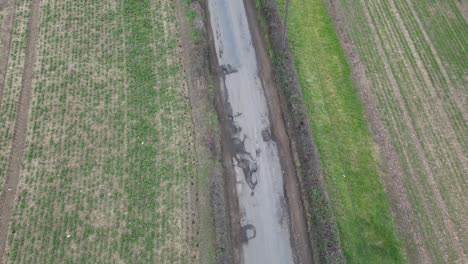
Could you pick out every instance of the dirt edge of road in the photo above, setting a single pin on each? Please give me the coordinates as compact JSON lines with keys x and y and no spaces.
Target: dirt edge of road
{"x":8,"y":195}
{"x":208,"y":187}
{"x":322,"y":227}
{"x":232,"y":204}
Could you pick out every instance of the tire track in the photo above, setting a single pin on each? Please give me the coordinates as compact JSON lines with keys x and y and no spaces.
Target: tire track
{"x":5,"y":40}
{"x":8,"y":195}
{"x":397,"y":95}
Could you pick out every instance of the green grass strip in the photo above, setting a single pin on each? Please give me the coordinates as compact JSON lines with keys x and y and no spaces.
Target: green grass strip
{"x":152,"y":153}
{"x":341,"y":132}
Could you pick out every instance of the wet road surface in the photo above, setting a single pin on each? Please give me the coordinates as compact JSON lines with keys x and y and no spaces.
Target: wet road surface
{"x":259,"y":176}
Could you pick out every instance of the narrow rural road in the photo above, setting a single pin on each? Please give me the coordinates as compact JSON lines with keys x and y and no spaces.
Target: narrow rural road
{"x":265,"y":222}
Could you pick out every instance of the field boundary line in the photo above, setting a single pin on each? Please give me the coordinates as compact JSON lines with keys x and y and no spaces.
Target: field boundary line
{"x":412,"y":132}
{"x":6,"y":30}
{"x":8,"y":195}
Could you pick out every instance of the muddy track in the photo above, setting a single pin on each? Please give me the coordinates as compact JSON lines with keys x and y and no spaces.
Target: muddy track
{"x":266,"y":212}
{"x":300,"y":240}
{"x":5,"y":40}
{"x":8,"y":195}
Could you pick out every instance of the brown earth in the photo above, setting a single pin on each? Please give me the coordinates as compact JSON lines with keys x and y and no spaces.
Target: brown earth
{"x":7,"y":197}
{"x":5,"y":38}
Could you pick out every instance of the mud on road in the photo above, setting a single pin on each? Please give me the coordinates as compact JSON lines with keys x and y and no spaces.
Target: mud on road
{"x":266,"y":213}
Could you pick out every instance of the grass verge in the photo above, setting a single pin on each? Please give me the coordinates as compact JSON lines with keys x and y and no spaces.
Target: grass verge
{"x":341,"y":133}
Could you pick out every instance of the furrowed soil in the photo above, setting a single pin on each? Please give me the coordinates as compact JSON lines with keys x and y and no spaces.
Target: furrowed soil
{"x":409,"y":64}
{"x":97,"y":135}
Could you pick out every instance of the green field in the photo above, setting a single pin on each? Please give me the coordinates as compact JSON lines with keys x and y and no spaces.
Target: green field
{"x":108,"y":166}
{"x":341,"y":133}
{"x":415,"y":54}
{"x":414,"y":58}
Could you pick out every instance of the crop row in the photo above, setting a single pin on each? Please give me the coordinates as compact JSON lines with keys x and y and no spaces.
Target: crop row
{"x":416,"y":79}
{"x":12,"y":85}
{"x":106,"y":177}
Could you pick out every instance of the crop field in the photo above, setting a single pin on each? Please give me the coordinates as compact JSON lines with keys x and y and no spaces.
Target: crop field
{"x":340,"y":131}
{"x":415,"y":54}
{"x":110,"y":146}
{"x":11,"y":81}
{"x":108,"y":157}
{"x":413,"y":61}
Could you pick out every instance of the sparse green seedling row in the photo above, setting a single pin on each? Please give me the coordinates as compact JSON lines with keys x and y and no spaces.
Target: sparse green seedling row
{"x":107,"y":171}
